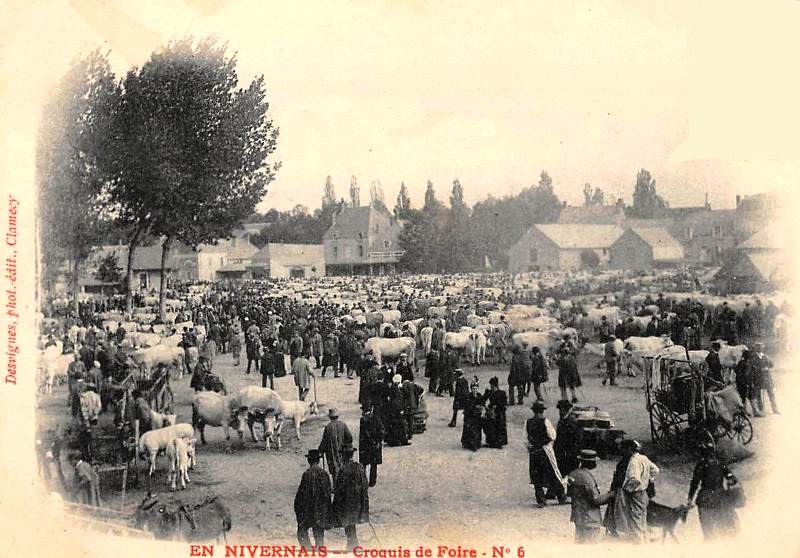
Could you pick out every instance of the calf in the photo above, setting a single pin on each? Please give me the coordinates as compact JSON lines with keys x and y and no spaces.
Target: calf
{"x":297,"y":411}
{"x":660,"y":515}
{"x":155,"y":441}
{"x":181,"y":456}
{"x":160,"y":420}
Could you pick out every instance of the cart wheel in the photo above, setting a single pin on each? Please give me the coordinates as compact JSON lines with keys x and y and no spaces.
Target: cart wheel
{"x":665,"y":426}
{"x":741,"y":429}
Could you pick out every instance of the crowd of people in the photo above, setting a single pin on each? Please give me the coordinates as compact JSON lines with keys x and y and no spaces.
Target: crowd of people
{"x":307,"y":339}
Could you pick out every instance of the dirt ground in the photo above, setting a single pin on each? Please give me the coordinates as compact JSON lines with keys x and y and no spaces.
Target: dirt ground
{"x":430,"y":491}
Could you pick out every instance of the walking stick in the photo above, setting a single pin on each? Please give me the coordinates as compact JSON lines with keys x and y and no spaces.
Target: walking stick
{"x":374,"y":533}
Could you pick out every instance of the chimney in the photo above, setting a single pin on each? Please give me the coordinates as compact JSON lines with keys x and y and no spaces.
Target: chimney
{"x":738,"y":200}
{"x":333,"y":217}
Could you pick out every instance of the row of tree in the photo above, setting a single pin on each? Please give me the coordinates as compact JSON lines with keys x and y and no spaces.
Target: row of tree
{"x":450,"y":238}
{"x":175,"y":151}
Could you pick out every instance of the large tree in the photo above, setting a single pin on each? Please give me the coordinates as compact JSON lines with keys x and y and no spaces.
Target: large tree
{"x":72,"y":200}
{"x":646,"y":202}
{"x":458,"y":254}
{"x":196,"y":144}
{"x":328,"y":193}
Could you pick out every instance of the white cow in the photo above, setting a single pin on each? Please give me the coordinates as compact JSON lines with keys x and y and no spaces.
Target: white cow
{"x":612,"y":314}
{"x":392,"y":316}
{"x":529,"y":339}
{"x":210,"y":408}
{"x":391,"y":348}
{"x":150,"y":357}
{"x":181,"y":457}
{"x":426,"y":337}
{"x":647,"y":343}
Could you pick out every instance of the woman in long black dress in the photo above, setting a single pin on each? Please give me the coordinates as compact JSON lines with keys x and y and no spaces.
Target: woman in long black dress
{"x":472,"y":435}
{"x":494,"y":422}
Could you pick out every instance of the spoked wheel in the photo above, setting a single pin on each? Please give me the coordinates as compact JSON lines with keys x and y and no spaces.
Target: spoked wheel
{"x":666,"y":434}
{"x":741,"y":429}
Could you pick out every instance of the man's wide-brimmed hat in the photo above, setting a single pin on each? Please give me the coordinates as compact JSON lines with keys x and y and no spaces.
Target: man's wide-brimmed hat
{"x":588,"y":456}
{"x":563,"y":404}
{"x":313,"y":455}
{"x":538,"y":406}
{"x":333,"y":413}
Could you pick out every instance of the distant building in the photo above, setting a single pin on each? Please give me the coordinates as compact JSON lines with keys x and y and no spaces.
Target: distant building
{"x":562,"y":246}
{"x":592,"y":215}
{"x":288,"y":260}
{"x":760,"y":263}
{"x":147,"y":268}
{"x":646,"y":248}
{"x":362,"y":241}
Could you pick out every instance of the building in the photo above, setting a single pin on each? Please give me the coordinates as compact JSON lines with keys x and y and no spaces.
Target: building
{"x":288,"y":260}
{"x":646,"y":248}
{"x":147,"y":268}
{"x":562,"y":246}
{"x":592,"y":215}
{"x":760,"y":263}
{"x":362,"y":241}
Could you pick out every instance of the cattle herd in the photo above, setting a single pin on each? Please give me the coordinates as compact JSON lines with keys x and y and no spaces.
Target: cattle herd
{"x":478,"y":318}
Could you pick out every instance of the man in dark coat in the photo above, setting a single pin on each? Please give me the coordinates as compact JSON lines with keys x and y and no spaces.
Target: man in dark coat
{"x":432,"y":370}
{"x":335,"y":436}
{"x":714,"y":365}
{"x":411,"y":394}
{"x":472,"y":433}
{"x":312,"y":503}
{"x":366,"y":379}
{"x":267,"y":367}
{"x":404,"y":368}
{"x":518,"y":376}
{"x":538,"y":372}
{"x":351,"y":496}
{"x":542,"y":466}
{"x":370,"y":441}
{"x":569,"y":436}
{"x":461,"y":393}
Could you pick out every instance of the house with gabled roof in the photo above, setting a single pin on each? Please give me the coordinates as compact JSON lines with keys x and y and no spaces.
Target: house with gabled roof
{"x":562,"y":246}
{"x":288,"y":261}
{"x":362,"y":241}
{"x":645,"y":248}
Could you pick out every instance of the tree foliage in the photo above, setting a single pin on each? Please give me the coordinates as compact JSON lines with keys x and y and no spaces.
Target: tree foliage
{"x":109,"y":270}
{"x":328,"y":193}
{"x":192,"y":146}
{"x":403,"y":204}
{"x":647,"y":204}
{"x":590,"y":197}
{"x":72,"y":197}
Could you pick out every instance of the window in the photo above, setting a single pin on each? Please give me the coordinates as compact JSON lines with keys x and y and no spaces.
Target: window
{"x":386,"y":243}
{"x":297,"y":272}
{"x":361,"y":235}
{"x":143,"y":281}
{"x":605,"y":252}
{"x":377,"y":228}
{"x":689,"y":232}
{"x":335,"y":236}
{"x":534,"y":257}
{"x":716,"y":231}
{"x":335,"y":252}
{"x":360,"y":251}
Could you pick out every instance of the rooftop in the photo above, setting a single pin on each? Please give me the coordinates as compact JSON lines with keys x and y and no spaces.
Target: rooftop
{"x":576,"y":237}
{"x":591,"y":215}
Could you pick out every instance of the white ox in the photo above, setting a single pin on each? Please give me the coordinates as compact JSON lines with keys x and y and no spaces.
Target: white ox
{"x":150,"y":357}
{"x":254,"y":403}
{"x":529,"y":339}
{"x":391,"y":316}
{"x":647,"y":343}
{"x":425,"y":338}
{"x":210,"y":408}
{"x":391,"y":348}
{"x":612,"y":314}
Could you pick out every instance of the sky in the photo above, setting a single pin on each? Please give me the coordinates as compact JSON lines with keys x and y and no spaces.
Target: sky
{"x":415,"y":91}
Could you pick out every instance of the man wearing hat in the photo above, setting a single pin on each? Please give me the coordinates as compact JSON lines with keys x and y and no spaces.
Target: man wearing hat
{"x":631,"y":496}
{"x":350,"y":496}
{"x":714,"y":365}
{"x":762,"y":379}
{"x":542,"y":465}
{"x":432,"y":370}
{"x":334,"y":437}
{"x":312,"y":503}
{"x":370,"y":442}
{"x":404,"y":368}
{"x":460,"y":396}
{"x":586,"y":499}
{"x":301,"y":368}
{"x":569,"y":438}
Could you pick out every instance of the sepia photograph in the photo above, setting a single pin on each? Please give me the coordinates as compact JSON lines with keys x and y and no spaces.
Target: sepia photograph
{"x":399,"y":279}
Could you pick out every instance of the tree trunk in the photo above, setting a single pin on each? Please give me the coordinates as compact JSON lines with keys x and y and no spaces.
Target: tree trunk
{"x":163,"y":286}
{"x":76,"y":285}
{"x":129,"y":276}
